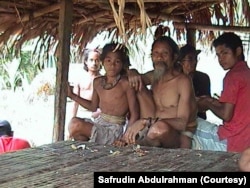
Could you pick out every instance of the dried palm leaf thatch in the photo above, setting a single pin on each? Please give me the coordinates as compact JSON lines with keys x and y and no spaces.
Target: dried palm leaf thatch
{"x":29,"y":19}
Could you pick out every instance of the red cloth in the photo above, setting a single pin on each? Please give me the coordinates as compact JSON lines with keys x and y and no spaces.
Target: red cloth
{"x":8,"y":144}
{"x":236,"y":90}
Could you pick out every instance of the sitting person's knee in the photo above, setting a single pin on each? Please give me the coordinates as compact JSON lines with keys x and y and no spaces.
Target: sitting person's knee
{"x":244,"y":161}
{"x":158,"y":129}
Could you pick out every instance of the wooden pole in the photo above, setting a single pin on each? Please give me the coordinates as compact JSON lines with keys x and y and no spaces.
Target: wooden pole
{"x":211,"y":27}
{"x":191,"y":37}
{"x":65,"y":27}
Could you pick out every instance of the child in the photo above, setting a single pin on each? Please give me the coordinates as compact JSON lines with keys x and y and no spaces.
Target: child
{"x":113,"y":95}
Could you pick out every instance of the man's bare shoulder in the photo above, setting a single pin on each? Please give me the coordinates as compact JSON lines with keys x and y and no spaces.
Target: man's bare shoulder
{"x":97,"y":81}
{"x":183,"y":78}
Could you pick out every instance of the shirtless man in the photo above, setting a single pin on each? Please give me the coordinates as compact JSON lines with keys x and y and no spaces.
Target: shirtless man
{"x":113,"y":95}
{"x":84,"y":86}
{"x":172,"y":121}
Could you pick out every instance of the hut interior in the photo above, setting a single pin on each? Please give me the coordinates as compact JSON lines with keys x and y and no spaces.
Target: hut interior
{"x":61,"y":24}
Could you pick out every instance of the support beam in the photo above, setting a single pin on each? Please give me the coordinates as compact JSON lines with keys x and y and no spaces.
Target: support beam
{"x":157,"y":1}
{"x":211,"y":27}
{"x":191,"y":37}
{"x":39,"y":13}
{"x":65,"y":27}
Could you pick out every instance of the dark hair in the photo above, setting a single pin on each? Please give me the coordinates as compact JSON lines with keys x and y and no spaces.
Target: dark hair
{"x":172,"y":44}
{"x":5,"y":128}
{"x":86,"y":56}
{"x":169,"y":41}
{"x":123,"y":53}
{"x":230,"y":40}
{"x":188,"y":49}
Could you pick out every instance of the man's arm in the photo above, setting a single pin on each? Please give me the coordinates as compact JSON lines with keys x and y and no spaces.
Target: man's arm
{"x":76,"y":90}
{"x":90,"y":105}
{"x":222,"y":110}
{"x":134,"y":111}
{"x":137,"y":80}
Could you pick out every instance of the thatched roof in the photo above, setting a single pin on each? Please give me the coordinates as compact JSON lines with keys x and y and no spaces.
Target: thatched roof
{"x":40,"y":18}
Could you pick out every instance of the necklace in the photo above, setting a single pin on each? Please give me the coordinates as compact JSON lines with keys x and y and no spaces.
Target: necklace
{"x":108,"y":86}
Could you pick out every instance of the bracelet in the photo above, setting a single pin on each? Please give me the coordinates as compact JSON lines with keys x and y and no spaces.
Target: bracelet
{"x":149,"y":121}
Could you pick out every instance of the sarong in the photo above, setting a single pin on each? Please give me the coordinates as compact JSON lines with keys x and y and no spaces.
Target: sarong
{"x":107,"y":129}
{"x":206,"y":137}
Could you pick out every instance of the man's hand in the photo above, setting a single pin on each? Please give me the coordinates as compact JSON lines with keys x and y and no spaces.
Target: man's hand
{"x":120,"y":143}
{"x":203,"y":103}
{"x":135,"y":79}
{"x":69,"y":90}
{"x":133,"y":130}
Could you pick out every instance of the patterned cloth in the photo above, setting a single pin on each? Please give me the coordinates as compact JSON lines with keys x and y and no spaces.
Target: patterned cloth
{"x":107,"y":129}
{"x":206,"y":137}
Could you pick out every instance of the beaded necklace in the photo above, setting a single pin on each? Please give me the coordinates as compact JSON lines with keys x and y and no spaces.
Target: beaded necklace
{"x":108,"y":86}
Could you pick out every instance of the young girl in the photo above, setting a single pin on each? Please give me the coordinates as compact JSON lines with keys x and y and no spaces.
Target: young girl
{"x":113,"y":95}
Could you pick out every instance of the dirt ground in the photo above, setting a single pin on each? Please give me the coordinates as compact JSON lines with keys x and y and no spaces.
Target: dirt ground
{"x":30,"y":120}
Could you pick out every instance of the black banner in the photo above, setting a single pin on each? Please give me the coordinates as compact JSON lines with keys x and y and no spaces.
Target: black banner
{"x":172,"y":179}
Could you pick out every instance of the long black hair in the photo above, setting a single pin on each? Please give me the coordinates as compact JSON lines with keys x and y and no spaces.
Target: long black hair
{"x":123,"y":53}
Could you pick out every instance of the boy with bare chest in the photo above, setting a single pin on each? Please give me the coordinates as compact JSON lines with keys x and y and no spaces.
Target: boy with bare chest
{"x":113,"y":95}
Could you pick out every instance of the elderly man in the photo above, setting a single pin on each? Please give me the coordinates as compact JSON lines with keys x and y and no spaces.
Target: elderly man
{"x":168,"y":115}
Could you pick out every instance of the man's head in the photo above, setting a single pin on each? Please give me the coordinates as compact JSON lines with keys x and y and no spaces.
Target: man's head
{"x":188,"y":58}
{"x":229,"y":50}
{"x":91,"y":60}
{"x":164,"y":55}
{"x":5,"y":128}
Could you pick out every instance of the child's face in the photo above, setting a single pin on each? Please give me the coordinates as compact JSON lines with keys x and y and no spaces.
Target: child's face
{"x":112,"y":64}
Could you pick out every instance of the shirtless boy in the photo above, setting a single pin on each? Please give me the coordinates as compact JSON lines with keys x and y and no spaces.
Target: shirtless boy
{"x":113,"y":95}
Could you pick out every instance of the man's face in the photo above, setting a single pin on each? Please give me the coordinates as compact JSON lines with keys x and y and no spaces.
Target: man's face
{"x":93,"y":62}
{"x":162,"y":57}
{"x":226,"y":57}
{"x":189,"y":63}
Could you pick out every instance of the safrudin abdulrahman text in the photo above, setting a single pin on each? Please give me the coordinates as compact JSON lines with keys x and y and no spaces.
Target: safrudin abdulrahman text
{"x":146,"y":179}
{"x":194,"y":178}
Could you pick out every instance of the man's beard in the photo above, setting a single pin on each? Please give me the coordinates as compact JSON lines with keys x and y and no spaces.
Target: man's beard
{"x":159,"y":71}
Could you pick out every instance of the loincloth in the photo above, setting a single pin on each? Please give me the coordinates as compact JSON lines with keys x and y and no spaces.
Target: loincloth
{"x":105,"y":132}
{"x":190,"y":129}
{"x":113,"y":119}
{"x":189,"y":132}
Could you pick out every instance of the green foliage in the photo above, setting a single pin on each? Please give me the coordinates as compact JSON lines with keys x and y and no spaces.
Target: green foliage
{"x":18,"y":70}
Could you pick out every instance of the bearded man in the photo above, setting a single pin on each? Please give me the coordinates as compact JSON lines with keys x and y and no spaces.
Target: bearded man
{"x":168,"y":110}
